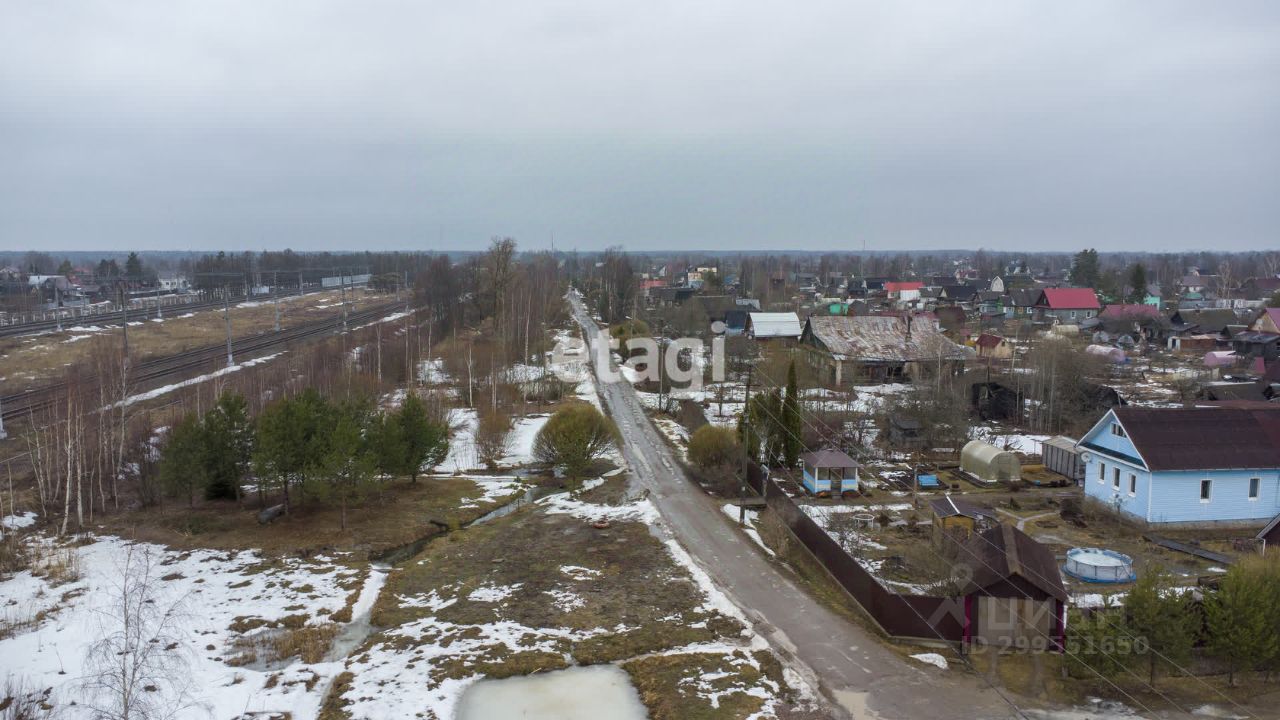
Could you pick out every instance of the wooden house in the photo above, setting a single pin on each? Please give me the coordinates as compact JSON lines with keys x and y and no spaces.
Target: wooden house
{"x":993,"y":347}
{"x":877,"y":348}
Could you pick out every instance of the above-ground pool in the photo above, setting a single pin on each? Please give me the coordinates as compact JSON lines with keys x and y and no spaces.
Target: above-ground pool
{"x":1099,"y":566}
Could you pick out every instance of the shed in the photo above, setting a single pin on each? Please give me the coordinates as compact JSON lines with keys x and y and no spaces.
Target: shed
{"x":988,"y":462}
{"x":765,"y":326}
{"x":829,"y":472}
{"x":905,"y":432}
{"x":1060,"y":455}
{"x":1015,"y":597}
{"x":957,"y":519}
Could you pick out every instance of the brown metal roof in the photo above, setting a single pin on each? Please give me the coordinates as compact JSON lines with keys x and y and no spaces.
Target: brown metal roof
{"x":1004,"y":552}
{"x":1216,"y":438}
{"x":884,"y":338}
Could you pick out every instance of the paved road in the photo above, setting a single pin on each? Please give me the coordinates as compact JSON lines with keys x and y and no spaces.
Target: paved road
{"x":861,"y":677}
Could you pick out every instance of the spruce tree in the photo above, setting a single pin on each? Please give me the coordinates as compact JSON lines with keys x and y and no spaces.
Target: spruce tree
{"x":1240,"y":621}
{"x":1159,"y":622}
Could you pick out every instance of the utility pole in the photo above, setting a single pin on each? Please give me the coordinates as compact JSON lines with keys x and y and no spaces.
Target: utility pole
{"x":379,"y":329}
{"x":124,"y":325}
{"x":275,"y":294}
{"x":57,"y":303}
{"x":342,"y":283}
{"x":226,"y":314}
{"x":3,"y":434}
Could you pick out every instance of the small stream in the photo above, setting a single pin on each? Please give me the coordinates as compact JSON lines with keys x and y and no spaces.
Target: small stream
{"x":355,"y":632}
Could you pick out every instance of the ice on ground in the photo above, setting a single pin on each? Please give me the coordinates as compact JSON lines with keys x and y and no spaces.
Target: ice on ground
{"x":150,"y":394}
{"x":221,"y":598}
{"x":566,"y":600}
{"x":493,"y":593}
{"x":750,"y":529}
{"x":495,"y":489}
{"x":640,"y":510}
{"x":21,"y":520}
{"x":596,"y":692}
{"x":931,"y":659}
{"x":578,"y":572}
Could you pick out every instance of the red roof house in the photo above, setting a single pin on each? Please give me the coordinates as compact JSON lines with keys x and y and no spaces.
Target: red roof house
{"x":897,"y":287}
{"x":1066,"y":305}
{"x":1134,"y":311}
{"x":1069,"y":299}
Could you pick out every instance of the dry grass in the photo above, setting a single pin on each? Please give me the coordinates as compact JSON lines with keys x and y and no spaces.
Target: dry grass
{"x":408,"y":512}
{"x":30,"y":361}
{"x":668,"y":685}
{"x":287,"y":639}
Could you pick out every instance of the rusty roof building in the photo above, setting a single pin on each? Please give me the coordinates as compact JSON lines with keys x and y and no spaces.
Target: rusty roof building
{"x":877,"y":348}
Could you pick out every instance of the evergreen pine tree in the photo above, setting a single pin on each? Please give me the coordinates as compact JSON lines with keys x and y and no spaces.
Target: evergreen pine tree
{"x":1240,"y":621}
{"x":1160,"y":623}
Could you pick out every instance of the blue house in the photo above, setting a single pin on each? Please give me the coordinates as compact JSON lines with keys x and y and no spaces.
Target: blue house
{"x":829,"y":472}
{"x":1196,"y":467}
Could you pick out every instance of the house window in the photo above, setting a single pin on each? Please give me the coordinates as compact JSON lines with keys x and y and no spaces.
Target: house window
{"x":1206,"y":489}
{"x":1073,"y":314}
{"x":1118,"y":431}
{"x":1254,"y":485}
{"x":1102,"y":472}
{"x":1115,"y":478}
{"x":1133,"y":484}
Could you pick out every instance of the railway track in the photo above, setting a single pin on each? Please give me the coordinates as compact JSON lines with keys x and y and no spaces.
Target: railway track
{"x":152,"y":373}
{"x":117,"y":317}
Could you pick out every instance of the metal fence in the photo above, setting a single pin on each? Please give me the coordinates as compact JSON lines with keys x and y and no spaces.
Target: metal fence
{"x":915,"y":617}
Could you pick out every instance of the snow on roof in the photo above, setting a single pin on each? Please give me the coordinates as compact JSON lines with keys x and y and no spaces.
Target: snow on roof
{"x":768,"y":325}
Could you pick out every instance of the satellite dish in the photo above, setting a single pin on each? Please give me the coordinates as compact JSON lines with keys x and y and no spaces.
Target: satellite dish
{"x":1086,"y":457}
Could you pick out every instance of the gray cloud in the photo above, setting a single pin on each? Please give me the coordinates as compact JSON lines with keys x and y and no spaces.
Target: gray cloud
{"x":334,"y":124}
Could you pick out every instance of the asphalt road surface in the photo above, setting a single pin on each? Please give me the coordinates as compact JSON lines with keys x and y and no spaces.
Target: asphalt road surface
{"x":855,"y":672}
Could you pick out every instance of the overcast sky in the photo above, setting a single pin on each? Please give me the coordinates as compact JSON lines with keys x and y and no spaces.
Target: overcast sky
{"x":824,"y":124}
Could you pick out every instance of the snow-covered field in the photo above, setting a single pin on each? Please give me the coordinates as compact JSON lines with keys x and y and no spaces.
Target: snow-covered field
{"x":392,"y":677}
{"x":224,"y":604}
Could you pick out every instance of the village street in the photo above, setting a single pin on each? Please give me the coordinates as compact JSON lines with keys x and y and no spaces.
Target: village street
{"x":846,"y":661}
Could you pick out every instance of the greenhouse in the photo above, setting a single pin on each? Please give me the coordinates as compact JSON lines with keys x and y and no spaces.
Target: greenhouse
{"x":988,"y":462}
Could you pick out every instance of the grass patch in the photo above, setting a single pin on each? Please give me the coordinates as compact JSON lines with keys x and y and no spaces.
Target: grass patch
{"x":676,"y":687}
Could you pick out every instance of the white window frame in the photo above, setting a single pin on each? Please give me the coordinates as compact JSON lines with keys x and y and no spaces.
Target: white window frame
{"x":1206,"y":484}
{"x":1118,"y":431}
{"x":1255,"y":488}
{"x":1115,"y":477}
{"x":1102,"y":472}
{"x":1133,"y":484}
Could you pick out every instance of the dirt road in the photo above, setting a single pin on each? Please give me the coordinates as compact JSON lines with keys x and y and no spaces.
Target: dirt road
{"x":855,"y":672}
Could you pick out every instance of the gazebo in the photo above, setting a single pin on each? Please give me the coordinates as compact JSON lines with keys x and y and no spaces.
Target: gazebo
{"x":829,"y":472}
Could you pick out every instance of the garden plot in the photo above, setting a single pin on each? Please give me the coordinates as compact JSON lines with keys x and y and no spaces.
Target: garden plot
{"x":251,"y":631}
{"x":568,"y":581}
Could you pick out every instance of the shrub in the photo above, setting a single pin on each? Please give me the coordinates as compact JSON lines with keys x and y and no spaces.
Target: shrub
{"x":574,"y":437}
{"x":713,"y":446}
